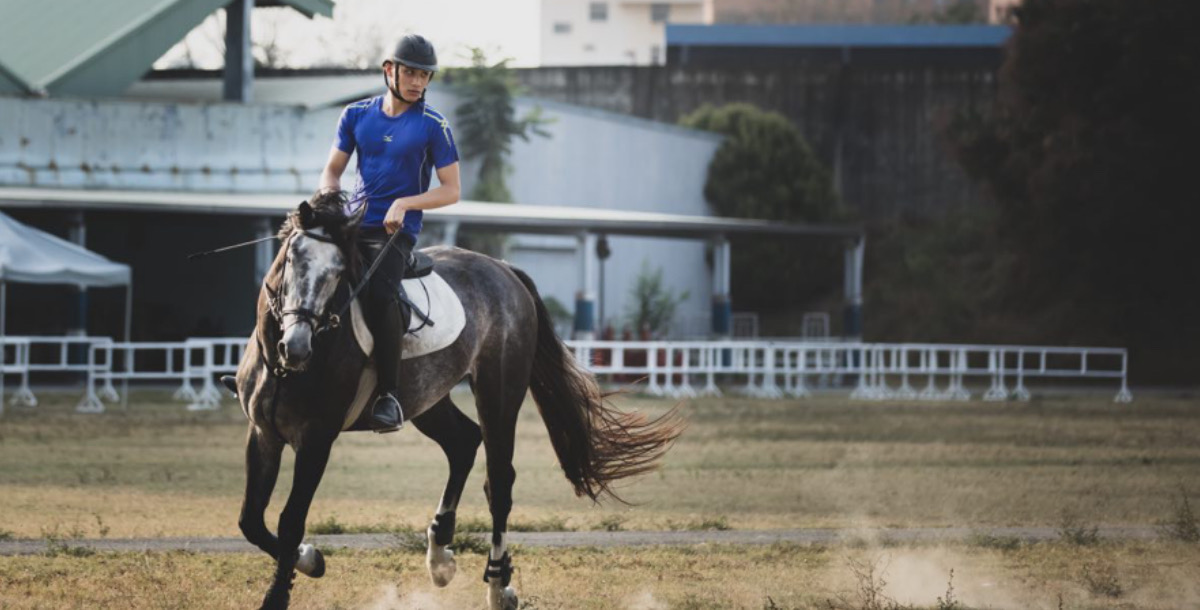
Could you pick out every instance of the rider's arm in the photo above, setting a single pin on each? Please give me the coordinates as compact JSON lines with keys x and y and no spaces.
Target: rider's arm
{"x":442,"y":196}
{"x":331,"y":177}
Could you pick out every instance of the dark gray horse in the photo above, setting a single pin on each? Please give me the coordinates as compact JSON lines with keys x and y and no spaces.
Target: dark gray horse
{"x":302,"y":370}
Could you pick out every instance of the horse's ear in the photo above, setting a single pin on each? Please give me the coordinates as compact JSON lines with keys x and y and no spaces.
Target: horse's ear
{"x":306,"y":214}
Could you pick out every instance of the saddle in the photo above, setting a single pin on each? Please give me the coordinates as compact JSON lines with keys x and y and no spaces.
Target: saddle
{"x":419,"y":265}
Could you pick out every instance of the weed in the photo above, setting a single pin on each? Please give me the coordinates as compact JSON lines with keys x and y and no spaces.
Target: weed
{"x":720,"y":523}
{"x":101,"y":528}
{"x":471,"y":544}
{"x":474,"y":525}
{"x":1073,"y":530}
{"x":6,"y":535}
{"x":1183,"y":525}
{"x":611,"y":523}
{"x":948,"y":602}
{"x":59,"y":544}
{"x":1102,"y":580}
{"x":411,"y":542}
{"x":330,"y":525}
{"x":549,"y":524}
{"x":992,"y":541}
{"x":870,"y":581}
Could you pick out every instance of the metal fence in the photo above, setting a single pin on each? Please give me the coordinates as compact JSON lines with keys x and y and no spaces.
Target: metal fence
{"x":679,"y":369}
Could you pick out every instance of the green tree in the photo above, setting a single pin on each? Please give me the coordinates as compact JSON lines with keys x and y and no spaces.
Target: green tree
{"x":765,"y":169}
{"x":652,"y":305}
{"x":1090,"y":154}
{"x":487,"y":122}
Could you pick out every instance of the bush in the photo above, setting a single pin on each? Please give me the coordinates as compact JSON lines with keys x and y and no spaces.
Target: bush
{"x":766,"y":170}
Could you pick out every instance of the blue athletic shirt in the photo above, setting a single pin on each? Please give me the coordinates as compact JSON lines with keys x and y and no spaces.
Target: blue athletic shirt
{"x":396,"y":155}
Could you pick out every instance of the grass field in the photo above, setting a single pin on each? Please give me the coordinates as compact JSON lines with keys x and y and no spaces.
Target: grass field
{"x":160,"y":471}
{"x":157,"y":470}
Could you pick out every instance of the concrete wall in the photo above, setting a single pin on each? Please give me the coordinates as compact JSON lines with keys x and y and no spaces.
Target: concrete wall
{"x":885,"y":117}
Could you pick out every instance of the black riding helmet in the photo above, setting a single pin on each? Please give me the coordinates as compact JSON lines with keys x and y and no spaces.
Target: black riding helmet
{"x":415,"y":52}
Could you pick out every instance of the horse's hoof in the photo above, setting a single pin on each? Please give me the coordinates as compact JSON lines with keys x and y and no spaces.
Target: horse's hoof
{"x":310,"y":562}
{"x":502,"y":599}
{"x":441,"y":564}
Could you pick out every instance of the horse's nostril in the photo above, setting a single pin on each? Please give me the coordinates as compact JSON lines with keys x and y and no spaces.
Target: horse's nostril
{"x":282,"y":347}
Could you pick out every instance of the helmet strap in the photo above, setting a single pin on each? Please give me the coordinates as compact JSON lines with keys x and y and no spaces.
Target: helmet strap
{"x":394,"y":85}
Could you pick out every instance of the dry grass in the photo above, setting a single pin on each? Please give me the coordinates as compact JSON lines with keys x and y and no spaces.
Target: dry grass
{"x":159,"y":471}
{"x":1141,"y":575}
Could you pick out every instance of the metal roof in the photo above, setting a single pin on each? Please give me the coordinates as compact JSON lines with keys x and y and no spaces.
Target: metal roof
{"x":85,"y":47}
{"x":496,"y":216}
{"x":295,"y":89}
{"x":837,"y":36}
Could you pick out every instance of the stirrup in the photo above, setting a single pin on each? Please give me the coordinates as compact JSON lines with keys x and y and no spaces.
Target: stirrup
{"x":383,"y":427}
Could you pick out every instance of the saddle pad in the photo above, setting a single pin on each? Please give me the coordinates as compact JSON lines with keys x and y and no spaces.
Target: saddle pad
{"x":441,"y":305}
{"x":432,"y":295}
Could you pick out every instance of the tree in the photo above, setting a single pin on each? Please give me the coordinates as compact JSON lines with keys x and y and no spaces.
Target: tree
{"x":652,"y":305}
{"x":765,"y":169}
{"x":487,"y":122}
{"x":1089,"y":154}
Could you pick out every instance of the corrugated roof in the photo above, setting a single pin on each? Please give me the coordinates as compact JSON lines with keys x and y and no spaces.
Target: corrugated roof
{"x":835,"y":36}
{"x":97,"y":48}
{"x":497,"y":216}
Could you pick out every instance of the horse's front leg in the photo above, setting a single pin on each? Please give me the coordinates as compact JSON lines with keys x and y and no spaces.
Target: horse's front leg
{"x":262,"y":468}
{"x":312,"y":455}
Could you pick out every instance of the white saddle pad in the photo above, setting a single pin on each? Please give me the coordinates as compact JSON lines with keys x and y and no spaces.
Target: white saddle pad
{"x":432,"y":295}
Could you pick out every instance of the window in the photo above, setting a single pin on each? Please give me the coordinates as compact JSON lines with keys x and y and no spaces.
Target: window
{"x":598,"y":11}
{"x":659,"y":12}
{"x":562,"y":27}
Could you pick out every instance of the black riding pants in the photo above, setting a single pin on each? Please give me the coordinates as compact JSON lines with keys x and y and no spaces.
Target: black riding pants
{"x":382,"y":300}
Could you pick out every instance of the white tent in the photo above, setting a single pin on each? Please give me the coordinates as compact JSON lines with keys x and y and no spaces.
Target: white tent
{"x":32,"y":256}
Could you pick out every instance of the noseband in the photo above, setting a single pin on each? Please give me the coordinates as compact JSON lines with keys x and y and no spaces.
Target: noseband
{"x":318,"y":322}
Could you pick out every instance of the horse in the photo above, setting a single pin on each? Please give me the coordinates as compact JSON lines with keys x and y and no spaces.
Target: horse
{"x":304,"y":370}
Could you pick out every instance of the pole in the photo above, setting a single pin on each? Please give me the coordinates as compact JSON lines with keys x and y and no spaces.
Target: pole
{"x":128,"y":353}
{"x":3,"y":348}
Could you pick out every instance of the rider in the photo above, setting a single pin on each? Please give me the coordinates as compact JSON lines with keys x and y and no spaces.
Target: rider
{"x":399,"y":140}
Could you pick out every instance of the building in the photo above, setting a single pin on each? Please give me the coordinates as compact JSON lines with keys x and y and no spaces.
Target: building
{"x":840,"y":12}
{"x":613,"y":32}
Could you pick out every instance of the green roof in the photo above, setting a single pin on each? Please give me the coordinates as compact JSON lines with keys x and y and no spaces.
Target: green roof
{"x":90,"y":48}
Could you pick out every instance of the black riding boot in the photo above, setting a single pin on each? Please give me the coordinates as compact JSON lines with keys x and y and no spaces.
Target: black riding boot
{"x":388,"y":323}
{"x":386,"y":414}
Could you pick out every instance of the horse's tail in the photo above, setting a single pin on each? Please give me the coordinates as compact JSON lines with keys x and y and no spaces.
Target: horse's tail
{"x":596,"y":443}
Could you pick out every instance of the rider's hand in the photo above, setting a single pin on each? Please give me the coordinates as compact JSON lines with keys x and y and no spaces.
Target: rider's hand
{"x":394,"y":221}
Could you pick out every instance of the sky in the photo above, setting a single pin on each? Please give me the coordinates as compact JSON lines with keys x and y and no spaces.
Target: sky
{"x":362,"y":30}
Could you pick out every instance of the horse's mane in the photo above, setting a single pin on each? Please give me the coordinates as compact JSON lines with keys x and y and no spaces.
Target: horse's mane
{"x":327,"y":210}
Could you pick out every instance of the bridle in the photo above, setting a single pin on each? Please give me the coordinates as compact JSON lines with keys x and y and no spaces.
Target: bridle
{"x":318,"y":322}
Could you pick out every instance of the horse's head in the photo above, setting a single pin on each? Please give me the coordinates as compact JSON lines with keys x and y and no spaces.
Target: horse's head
{"x":318,"y":250}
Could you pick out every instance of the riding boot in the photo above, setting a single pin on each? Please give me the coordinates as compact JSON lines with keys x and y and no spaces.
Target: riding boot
{"x":386,"y":414}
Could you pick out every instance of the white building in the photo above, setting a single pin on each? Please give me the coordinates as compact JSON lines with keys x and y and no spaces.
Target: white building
{"x":613,"y":32}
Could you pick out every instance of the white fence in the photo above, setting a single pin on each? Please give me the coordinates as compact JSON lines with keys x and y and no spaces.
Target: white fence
{"x":679,"y":369}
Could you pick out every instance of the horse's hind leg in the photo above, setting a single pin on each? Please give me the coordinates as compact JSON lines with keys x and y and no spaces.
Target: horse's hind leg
{"x":262,"y":468}
{"x":459,"y":438}
{"x":499,"y":392}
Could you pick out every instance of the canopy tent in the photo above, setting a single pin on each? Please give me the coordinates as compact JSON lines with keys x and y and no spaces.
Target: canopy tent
{"x":33,"y":256}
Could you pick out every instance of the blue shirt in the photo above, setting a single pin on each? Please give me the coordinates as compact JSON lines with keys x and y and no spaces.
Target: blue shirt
{"x":396,"y":155}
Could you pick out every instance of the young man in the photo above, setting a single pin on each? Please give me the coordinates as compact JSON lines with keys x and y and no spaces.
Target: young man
{"x":400,"y":141}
